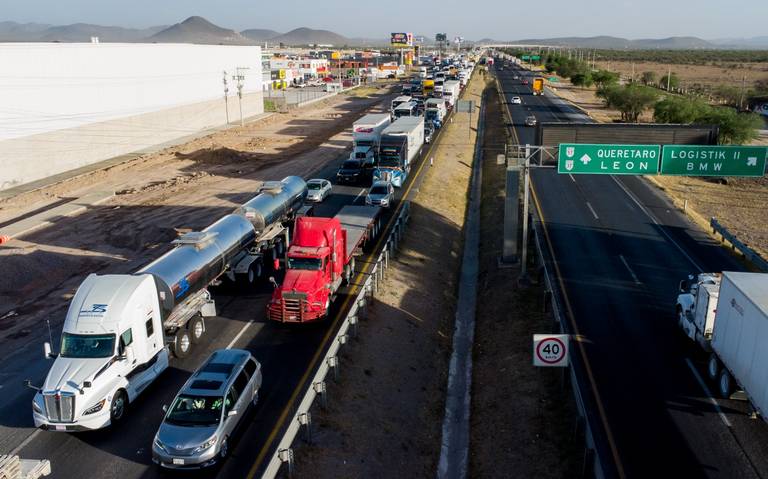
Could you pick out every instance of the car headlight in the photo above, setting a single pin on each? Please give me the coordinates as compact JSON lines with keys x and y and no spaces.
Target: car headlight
{"x":384,"y":202}
{"x":367,"y":200}
{"x":95,"y":408}
{"x":206,"y":445}
{"x":160,"y":445}
{"x":36,"y":407}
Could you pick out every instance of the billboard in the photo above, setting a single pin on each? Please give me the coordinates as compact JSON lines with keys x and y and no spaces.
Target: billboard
{"x":401,"y":39}
{"x":441,"y":37}
{"x":335,"y":55}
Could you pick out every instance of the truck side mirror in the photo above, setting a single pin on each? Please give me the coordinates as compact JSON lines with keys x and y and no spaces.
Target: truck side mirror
{"x":48,"y":351}
{"x":128,"y":354}
{"x":272,"y":280}
{"x":165,"y":408}
{"x":683,"y":286}
{"x":28,"y":384}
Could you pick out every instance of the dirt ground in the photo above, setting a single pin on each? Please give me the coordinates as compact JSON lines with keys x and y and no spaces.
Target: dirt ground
{"x":522,"y":418}
{"x":728,"y":73}
{"x":384,"y":417}
{"x":179,"y":188}
{"x":739,"y":205}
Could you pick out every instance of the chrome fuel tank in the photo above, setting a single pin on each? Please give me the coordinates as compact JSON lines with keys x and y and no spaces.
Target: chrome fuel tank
{"x":199,"y":258}
{"x":275,"y":202}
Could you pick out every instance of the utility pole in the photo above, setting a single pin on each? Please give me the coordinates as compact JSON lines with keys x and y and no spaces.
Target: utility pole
{"x":239,"y":77}
{"x":669,"y":78}
{"x":226,"y":101}
{"x":743,"y":87}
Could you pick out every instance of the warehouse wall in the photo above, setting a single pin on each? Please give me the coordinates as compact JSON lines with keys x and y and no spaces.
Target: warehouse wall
{"x":64,"y":106}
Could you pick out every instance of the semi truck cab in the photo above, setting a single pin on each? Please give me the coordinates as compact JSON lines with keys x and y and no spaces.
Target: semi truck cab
{"x":112,"y":348}
{"x":316,"y":266}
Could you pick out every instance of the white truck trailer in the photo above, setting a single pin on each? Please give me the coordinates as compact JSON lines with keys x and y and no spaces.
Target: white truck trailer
{"x":401,"y":143}
{"x":451,"y":91}
{"x":120,"y":329}
{"x":727,"y":316}
{"x":366,"y":135}
{"x":435,"y":111}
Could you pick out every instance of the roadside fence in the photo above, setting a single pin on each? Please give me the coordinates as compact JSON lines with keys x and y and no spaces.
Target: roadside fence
{"x":330,"y":363}
{"x":749,"y":254}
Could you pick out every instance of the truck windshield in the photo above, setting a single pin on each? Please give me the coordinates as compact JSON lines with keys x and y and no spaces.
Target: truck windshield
{"x":195,"y":410}
{"x":87,"y":345}
{"x":312,"y":264}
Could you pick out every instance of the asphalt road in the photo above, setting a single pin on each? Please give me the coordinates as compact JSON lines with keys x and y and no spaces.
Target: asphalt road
{"x":622,"y":249}
{"x":285,"y":352}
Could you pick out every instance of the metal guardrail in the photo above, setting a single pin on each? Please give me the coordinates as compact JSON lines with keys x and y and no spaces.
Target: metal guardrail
{"x":302,"y":417}
{"x":749,"y":254}
{"x":593,"y":461}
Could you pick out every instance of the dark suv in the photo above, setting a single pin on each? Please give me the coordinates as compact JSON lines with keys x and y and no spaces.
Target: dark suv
{"x":353,"y":171}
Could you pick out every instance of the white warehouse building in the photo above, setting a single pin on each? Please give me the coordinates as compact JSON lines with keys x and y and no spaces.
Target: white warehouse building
{"x":65,"y":106}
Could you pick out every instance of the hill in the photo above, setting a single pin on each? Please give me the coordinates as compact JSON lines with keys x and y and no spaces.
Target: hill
{"x":82,"y":32}
{"x":616,"y":43}
{"x":308,"y":36}
{"x":259,"y":34}
{"x":199,"y":30}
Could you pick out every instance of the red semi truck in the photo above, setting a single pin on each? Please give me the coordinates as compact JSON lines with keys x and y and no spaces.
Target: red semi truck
{"x":321,"y":257}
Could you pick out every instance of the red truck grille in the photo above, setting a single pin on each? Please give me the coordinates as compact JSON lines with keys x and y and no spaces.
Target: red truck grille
{"x":291,"y":308}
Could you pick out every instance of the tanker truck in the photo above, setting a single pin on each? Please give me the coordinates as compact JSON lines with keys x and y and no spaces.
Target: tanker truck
{"x":121,"y":329}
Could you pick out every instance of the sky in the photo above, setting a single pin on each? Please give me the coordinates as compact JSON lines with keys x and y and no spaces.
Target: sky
{"x":476,"y":19}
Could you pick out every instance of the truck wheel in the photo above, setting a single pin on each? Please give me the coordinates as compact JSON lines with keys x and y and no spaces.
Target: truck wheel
{"x":254,"y":273}
{"x":725,"y":384}
{"x":196,"y":329}
{"x":117,"y":406}
{"x":182,"y":343}
{"x":713,"y":367}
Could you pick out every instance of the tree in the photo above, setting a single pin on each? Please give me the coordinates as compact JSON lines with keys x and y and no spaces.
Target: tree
{"x":648,"y":78}
{"x":669,"y":81}
{"x":605,"y":78}
{"x":735,"y":128}
{"x":631,"y":100}
{"x":582,"y":79}
{"x":675,"y":109}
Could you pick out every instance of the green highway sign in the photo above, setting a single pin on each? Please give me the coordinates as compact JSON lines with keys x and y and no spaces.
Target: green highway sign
{"x":526,"y":57}
{"x":608,"y":159}
{"x":535,"y":57}
{"x":695,"y":160}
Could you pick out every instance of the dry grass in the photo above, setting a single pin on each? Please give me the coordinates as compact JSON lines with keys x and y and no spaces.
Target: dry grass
{"x":724,"y":73}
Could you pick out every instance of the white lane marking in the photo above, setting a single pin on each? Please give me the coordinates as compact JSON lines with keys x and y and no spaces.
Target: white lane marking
{"x":709,"y":394}
{"x":634,"y":276}
{"x":592,"y":210}
{"x":653,"y":218}
{"x":242,"y":330}
{"x":572,"y":178}
{"x":26,"y":441}
{"x":358,"y":196}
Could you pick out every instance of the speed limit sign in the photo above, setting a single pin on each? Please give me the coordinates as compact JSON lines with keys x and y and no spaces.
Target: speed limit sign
{"x":550,"y":350}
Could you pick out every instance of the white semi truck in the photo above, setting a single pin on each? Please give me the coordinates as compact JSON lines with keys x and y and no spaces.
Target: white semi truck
{"x":451,"y":92}
{"x":121,"y":328}
{"x":366,"y":134}
{"x":727,"y":316}
{"x":401,"y":143}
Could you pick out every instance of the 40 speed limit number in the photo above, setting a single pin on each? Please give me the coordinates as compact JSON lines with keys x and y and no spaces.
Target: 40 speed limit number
{"x":550,"y":350}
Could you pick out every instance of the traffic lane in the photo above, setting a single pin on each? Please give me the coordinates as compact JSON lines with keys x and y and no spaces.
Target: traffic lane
{"x":632,"y":343}
{"x":713,"y":444}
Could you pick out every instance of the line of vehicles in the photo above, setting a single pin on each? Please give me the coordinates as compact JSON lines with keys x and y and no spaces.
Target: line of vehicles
{"x":121,"y":330}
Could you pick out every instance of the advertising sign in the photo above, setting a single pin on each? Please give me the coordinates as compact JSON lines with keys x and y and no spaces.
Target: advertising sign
{"x":441,"y":37}
{"x":401,"y":40}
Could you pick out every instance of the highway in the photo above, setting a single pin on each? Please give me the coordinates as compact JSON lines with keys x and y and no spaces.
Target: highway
{"x":621,"y":249}
{"x":286,"y":353}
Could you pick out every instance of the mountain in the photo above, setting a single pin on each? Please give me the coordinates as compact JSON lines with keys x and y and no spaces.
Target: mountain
{"x":308,"y":36}
{"x":616,"y":43}
{"x":199,"y":30}
{"x":259,"y":34}
{"x":82,"y":32}
{"x":746,"y":43}
{"x":21,"y":32}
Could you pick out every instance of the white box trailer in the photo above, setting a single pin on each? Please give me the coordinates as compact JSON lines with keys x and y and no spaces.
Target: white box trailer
{"x":451,"y":91}
{"x":727,"y":315}
{"x":367,"y":130}
{"x":740,"y":336}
